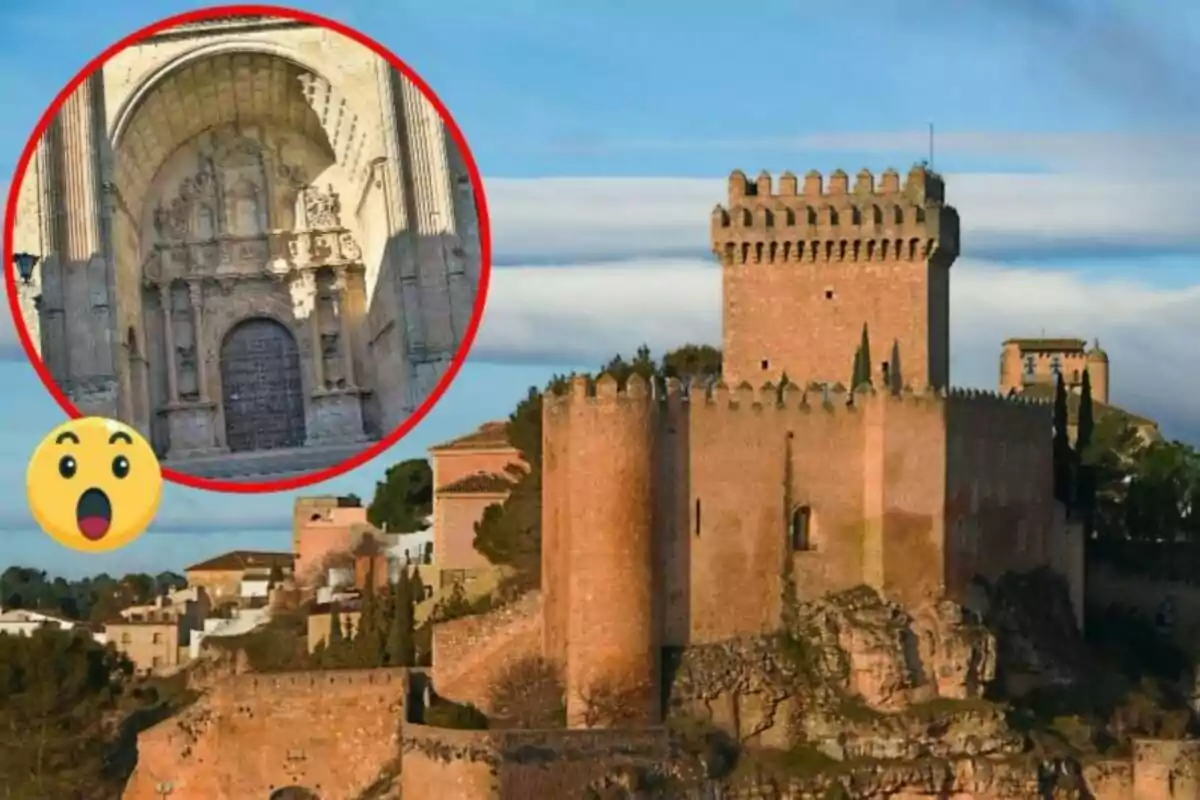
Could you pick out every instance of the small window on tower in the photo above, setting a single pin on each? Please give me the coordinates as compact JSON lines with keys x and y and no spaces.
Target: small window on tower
{"x":829,"y":294}
{"x":766,"y":364}
{"x":799,"y":529}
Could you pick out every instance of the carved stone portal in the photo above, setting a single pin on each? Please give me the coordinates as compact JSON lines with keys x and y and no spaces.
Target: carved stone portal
{"x":249,"y":225}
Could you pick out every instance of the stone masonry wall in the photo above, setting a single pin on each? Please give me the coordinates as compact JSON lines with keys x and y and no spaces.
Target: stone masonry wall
{"x":499,"y":765}
{"x":470,"y":653}
{"x":330,"y":731}
{"x":805,"y":266}
{"x":732,"y":465}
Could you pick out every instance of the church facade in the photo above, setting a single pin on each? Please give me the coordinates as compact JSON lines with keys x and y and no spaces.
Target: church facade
{"x":256,"y":241}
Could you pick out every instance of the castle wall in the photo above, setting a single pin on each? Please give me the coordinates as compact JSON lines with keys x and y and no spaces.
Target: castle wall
{"x":256,"y":733}
{"x":470,"y":653}
{"x":913,"y":494}
{"x":612,"y":641}
{"x":904,"y":494}
{"x":518,"y":764}
{"x":448,"y":763}
{"x":741,"y":444}
{"x":1166,"y":770}
{"x":1170,"y":605}
{"x":556,"y":529}
{"x":1109,"y":779}
{"x":1000,"y":511}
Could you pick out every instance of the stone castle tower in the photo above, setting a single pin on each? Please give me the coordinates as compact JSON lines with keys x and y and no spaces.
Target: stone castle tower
{"x":253,"y":235}
{"x":804,"y":267}
{"x":676,"y":515}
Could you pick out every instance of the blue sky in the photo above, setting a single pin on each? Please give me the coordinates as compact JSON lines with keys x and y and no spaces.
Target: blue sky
{"x":1066,"y":131}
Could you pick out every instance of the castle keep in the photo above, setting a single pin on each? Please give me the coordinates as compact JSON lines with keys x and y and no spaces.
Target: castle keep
{"x":677,"y":515}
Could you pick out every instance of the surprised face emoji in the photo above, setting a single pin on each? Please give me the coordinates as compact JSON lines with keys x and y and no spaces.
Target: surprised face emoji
{"x":93,"y":484}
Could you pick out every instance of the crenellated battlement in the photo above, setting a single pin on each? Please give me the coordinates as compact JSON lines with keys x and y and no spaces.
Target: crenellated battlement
{"x":605,"y":388}
{"x":832,"y":220}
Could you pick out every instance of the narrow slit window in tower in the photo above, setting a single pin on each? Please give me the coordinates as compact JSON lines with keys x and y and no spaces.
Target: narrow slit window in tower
{"x":799,"y":532}
{"x":766,"y":364}
{"x":697,"y":516}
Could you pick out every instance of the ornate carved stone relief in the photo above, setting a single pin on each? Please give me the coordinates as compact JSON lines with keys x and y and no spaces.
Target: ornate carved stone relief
{"x":322,"y":209}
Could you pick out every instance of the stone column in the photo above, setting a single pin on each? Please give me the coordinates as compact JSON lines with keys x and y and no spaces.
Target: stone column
{"x":87,"y":282}
{"x":312,"y":285}
{"x":196,"y":296}
{"x":399,"y":250}
{"x":432,"y":218}
{"x":341,"y":285}
{"x":164,"y":296}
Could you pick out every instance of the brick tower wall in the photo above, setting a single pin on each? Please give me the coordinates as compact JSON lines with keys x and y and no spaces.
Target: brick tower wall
{"x":804,"y":268}
{"x":556,"y":527}
{"x":1001,"y":511}
{"x":612,"y":646}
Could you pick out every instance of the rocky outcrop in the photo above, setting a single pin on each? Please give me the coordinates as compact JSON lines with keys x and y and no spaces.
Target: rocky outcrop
{"x":858,"y":678}
{"x":1039,"y":644}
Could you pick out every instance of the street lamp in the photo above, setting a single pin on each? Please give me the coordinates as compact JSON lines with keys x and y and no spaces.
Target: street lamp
{"x":25,"y":262}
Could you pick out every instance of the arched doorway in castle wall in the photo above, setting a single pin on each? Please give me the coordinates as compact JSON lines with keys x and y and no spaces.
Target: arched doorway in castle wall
{"x":294,"y":793}
{"x":261,"y":386}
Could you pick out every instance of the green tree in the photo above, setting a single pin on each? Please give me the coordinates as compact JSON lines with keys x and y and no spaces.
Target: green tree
{"x":895,"y":376}
{"x":368,"y":650}
{"x":404,"y":498}
{"x":58,"y":692}
{"x":857,"y":371}
{"x":1062,"y":445}
{"x":401,"y":645}
{"x":695,"y":361}
{"x":865,"y":359}
{"x":336,"y":634}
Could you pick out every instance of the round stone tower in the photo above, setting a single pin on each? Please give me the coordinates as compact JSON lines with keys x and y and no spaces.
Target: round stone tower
{"x":1097,"y":367}
{"x":612,"y":647}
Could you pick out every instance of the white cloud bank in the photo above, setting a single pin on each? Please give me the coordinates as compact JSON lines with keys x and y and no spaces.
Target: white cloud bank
{"x":603,"y":287}
{"x":1002,"y":214}
{"x":586,"y":313}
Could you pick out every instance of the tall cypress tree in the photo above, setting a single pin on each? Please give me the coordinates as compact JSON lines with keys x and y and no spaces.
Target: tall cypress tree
{"x":335,"y":624}
{"x":856,"y":374}
{"x":865,"y":359}
{"x":1085,"y":476}
{"x":1062,"y":445}
{"x":401,"y":647}
{"x":897,"y":380}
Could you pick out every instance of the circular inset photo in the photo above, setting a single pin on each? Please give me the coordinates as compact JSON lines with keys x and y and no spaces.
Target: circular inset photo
{"x":259,"y":239}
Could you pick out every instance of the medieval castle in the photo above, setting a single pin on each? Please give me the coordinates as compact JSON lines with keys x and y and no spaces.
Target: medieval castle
{"x":674,"y":516}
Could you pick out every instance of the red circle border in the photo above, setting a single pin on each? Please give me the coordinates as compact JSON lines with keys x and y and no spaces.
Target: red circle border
{"x":460,"y":355}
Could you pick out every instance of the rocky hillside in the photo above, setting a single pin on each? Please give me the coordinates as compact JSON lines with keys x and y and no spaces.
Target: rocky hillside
{"x":861,"y":698}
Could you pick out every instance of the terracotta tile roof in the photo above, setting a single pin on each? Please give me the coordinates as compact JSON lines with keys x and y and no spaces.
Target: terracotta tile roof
{"x":479,"y":483}
{"x":243,"y":560}
{"x":488,"y":436}
{"x":1045,"y":391}
{"x":1052,"y":345}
